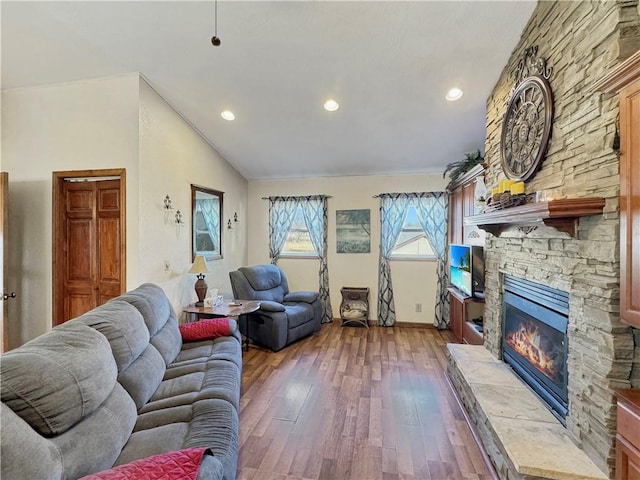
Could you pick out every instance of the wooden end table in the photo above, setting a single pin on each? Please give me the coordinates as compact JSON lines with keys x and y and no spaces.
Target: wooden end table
{"x":240,"y":307}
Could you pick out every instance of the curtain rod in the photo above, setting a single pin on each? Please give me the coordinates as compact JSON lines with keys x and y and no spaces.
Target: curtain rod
{"x":296,"y":196}
{"x":406,"y":193}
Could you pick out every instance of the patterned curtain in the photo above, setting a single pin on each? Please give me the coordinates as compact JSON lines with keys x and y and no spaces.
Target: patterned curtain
{"x":315,"y":210}
{"x":281,"y":212}
{"x":393,"y":208}
{"x":210,"y":209}
{"x":432,"y":211}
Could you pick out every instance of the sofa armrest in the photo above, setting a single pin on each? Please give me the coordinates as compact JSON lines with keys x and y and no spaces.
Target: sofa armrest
{"x":301,"y":296}
{"x":269,"y":306}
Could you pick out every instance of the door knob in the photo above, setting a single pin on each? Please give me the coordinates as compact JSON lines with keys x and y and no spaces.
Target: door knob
{"x":7,"y":296}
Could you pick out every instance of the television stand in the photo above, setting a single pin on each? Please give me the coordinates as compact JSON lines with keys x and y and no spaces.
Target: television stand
{"x":462,"y":310}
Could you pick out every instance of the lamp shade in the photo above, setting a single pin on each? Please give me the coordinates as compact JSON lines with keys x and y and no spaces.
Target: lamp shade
{"x":199,"y":265}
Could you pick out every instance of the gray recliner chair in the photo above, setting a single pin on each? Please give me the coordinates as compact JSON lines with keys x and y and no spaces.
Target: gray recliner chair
{"x":284,"y":316}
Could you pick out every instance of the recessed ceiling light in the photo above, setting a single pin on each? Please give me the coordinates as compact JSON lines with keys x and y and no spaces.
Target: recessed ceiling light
{"x":454,"y":94}
{"x":228,"y":115}
{"x":331,"y":105}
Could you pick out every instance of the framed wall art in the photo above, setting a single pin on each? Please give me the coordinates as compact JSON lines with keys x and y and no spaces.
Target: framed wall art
{"x":353,"y":231}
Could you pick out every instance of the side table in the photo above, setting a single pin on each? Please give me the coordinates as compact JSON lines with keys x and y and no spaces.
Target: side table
{"x":354,"y":308}
{"x":232,"y":308}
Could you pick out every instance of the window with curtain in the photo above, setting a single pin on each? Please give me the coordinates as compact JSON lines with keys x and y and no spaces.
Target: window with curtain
{"x":298,"y":240}
{"x":412,"y":243}
{"x":404,"y":211}
{"x":298,"y":220}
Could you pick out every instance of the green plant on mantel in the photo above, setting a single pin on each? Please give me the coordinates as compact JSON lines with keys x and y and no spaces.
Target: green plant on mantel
{"x":461,"y":167}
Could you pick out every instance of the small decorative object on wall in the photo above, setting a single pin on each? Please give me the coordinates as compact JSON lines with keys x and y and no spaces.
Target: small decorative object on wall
{"x":179,"y":223}
{"x":526,"y":127}
{"x":353,"y":231}
{"x":167,"y":207}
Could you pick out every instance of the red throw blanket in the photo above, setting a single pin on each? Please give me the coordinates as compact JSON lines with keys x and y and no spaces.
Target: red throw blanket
{"x":177,"y":465}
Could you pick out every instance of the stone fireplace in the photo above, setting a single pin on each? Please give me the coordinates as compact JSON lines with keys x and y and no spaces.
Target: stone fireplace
{"x":581,"y":42}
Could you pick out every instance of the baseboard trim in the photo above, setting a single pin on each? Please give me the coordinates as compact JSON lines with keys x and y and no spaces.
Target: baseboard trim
{"x":374,"y":323}
{"x":474,"y":433}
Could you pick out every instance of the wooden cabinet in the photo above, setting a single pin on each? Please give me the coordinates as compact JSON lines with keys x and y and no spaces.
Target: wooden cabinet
{"x":625,"y":80}
{"x":462,"y":311}
{"x":628,"y":435}
{"x":462,"y":203}
{"x":630,"y":202}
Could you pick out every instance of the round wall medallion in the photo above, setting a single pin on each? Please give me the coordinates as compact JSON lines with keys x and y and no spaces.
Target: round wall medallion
{"x":526,"y":128}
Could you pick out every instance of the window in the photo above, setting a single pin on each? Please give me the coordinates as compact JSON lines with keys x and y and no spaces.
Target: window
{"x":298,"y":242}
{"x":412,"y":242}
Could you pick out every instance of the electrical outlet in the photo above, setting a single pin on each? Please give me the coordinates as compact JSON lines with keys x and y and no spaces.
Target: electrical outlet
{"x":418,"y":307}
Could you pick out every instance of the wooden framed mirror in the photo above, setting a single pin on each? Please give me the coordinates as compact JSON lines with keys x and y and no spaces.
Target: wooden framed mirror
{"x":206,"y":222}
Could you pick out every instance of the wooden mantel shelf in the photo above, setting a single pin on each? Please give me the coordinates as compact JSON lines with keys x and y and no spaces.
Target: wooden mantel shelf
{"x":561,"y":214}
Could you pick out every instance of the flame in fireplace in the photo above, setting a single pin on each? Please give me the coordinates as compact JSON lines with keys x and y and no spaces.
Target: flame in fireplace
{"x":526,"y":340}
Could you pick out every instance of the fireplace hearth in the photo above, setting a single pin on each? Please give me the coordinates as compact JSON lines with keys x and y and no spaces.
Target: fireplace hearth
{"x":534,"y":339}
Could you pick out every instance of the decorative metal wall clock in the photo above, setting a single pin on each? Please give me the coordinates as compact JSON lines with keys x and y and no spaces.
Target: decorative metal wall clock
{"x":526,"y":128}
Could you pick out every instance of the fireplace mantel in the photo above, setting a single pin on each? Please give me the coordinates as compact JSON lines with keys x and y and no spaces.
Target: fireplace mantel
{"x":561,"y":214}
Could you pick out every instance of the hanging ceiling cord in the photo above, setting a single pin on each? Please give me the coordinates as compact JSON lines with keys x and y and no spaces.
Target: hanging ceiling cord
{"x":215,"y":40}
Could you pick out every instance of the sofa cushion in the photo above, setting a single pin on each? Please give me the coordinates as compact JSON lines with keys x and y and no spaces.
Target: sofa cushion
{"x":20,"y":445}
{"x":197,"y":381}
{"x":123,"y":326}
{"x":301,"y":296}
{"x":262,"y":277}
{"x":143,"y":376}
{"x":159,"y":316}
{"x":222,"y":348}
{"x":298,"y":313}
{"x":57,"y":379}
{"x":205,"y":423}
{"x":94,"y":443}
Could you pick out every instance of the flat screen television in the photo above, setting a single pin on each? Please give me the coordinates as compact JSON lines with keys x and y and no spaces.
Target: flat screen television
{"x":467,"y":269}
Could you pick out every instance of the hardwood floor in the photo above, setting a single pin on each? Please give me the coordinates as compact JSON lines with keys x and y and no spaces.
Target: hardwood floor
{"x":352,"y":403}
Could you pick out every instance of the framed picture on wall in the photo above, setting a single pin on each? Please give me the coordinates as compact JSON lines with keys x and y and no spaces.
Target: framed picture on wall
{"x":353,"y":231}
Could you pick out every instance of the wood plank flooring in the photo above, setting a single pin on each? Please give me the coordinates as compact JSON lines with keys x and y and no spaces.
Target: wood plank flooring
{"x":351,"y":403}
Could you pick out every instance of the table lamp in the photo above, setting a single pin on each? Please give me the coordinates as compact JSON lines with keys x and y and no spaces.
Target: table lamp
{"x":199,"y":267}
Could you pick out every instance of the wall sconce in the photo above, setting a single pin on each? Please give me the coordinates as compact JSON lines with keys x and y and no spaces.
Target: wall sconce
{"x":235,"y":221}
{"x":167,"y":207}
{"x":179,"y":223}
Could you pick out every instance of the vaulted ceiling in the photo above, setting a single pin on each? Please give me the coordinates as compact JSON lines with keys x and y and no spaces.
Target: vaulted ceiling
{"x":389,"y":65}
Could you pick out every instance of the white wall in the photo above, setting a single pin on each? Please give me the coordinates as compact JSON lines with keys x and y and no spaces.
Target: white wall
{"x":117,"y":122}
{"x":413,"y":282}
{"x":76,"y":126}
{"x":172,"y":157}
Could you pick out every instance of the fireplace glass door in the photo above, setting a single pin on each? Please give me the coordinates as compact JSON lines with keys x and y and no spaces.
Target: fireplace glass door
{"x":534,"y":343}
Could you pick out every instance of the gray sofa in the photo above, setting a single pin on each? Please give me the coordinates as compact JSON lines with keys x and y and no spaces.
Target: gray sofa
{"x":284,"y":316}
{"x":115,"y":385}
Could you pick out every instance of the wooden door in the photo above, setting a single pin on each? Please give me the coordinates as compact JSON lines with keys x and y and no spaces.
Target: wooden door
{"x":4,"y":260}
{"x":89,"y":244}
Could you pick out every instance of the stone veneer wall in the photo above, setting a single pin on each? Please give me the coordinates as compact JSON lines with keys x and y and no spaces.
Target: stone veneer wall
{"x":581,"y":41}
